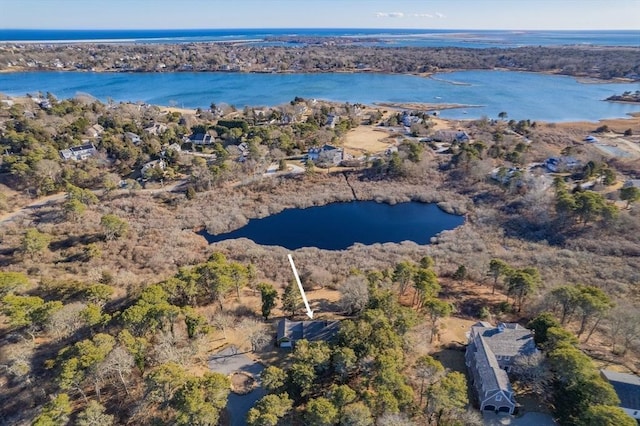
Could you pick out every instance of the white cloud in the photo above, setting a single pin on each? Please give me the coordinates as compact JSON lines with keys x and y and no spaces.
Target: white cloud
{"x":390,"y":15}
{"x":409,"y":15}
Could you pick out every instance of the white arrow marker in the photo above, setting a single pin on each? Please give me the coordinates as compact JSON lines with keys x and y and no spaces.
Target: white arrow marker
{"x":304,"y":296}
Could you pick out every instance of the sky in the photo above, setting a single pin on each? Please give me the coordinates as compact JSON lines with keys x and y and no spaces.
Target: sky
{"x":417,"y":14}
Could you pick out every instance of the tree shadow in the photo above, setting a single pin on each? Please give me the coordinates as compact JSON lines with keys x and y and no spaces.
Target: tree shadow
{"x":42,"y":214}
{"x":325,"y":305}
{"x":72,"y":241}
{"x":8,"y":256}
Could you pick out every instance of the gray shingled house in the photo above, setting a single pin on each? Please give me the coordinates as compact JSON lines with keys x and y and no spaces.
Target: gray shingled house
{"x":490,"y":353}
{"x":291,"y":331}
{"x":627,"y":386}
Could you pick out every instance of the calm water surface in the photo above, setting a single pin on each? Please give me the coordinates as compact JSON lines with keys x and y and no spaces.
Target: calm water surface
{"x":338,"y":226}
{"x":521,"y":95}
{"x":378,"y":37}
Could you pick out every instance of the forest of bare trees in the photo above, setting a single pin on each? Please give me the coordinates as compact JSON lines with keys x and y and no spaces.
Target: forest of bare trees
{"x":583,"y":61}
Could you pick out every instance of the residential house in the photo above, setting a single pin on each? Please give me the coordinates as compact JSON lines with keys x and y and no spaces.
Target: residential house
{"x":174,"y":147}
{"x":504,"y":174}
{"x":132,"y":137}
{"x":327,"y":154}
{"x":156,"y":129}
{"x":561,"y":164}
{"x":152,"y":165}
{"x":491,"y":352}
{"x":332,"y":120}
{"x":240,"y":151}
{"x":289,"y":332}
{"x":391,"y":150}
{"x":201,"y":139}
{"x":78,"y":153}
{"x":627,"y":386}
{"x":632,"y":183}
{"x":95,"y":131}
{"x":44,"y":103}
{"x":451,"y":136}
{"x":409,"y":119}
{"x":244,"y":149}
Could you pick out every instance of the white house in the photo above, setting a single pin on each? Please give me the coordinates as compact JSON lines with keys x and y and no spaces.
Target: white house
{"x":152,"y":164}
{"x":78,"y":153}
{"x":632,"y":183}
{"x":156,"y":129}
{"x":332,"y":120}
{"x":132,"y":137}
{"x":327,"y":154}
{"x":95,"y":131}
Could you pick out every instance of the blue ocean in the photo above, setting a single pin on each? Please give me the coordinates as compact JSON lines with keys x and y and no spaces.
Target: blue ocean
{"x":486,"y":93}
{"x":378,"y":37}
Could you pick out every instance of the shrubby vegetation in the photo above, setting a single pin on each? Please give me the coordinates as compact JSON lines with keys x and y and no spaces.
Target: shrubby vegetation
{"x":592,"y":61}
{"x":581,"y":395}
{"x":110,"y":300}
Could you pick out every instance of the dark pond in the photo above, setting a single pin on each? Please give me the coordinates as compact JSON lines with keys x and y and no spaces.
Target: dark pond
{"x":338,"y":226}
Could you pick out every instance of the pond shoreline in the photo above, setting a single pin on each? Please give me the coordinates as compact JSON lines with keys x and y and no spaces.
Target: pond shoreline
{"x":341,"y":225}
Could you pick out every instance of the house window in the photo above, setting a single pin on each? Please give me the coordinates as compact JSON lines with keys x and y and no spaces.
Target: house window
{"x":498,"y":397}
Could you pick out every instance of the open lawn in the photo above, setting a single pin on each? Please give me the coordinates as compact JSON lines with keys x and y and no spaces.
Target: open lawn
{"x":367,"y":140}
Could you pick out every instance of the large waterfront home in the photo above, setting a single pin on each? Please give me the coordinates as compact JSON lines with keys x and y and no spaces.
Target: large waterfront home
{"x":491,"y":352}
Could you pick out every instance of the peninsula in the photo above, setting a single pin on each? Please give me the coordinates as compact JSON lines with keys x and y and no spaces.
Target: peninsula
{"x":580,"y":61}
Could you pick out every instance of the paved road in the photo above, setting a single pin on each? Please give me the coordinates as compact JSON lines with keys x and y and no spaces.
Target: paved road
{"x":226,"y":362}
{"x":528,"y":419}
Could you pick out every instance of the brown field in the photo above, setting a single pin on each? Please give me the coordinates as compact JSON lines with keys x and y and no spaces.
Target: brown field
{"x":178,"y":110}
{"x":615,"y":124}
{"x":367,"y":139}
{"x":374,"y":139}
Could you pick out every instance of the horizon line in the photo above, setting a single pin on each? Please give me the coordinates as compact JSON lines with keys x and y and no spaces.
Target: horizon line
{"x":314,"y":28}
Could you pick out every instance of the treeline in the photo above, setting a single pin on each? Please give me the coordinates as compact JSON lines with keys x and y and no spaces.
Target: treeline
{"x":366,"y":377}
{"x":626,"y":97}
{"x":92,"y":352}
{"x":598,"y":62}
{"x":581,"y":396}
{"x":109,"y":352}
{"x":32,"y":138}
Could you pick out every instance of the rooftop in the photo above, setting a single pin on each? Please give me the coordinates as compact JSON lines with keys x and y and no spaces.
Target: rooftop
{"x":627,"y":386}
{"x":309,"y":330}
{"x":506,"y":339}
